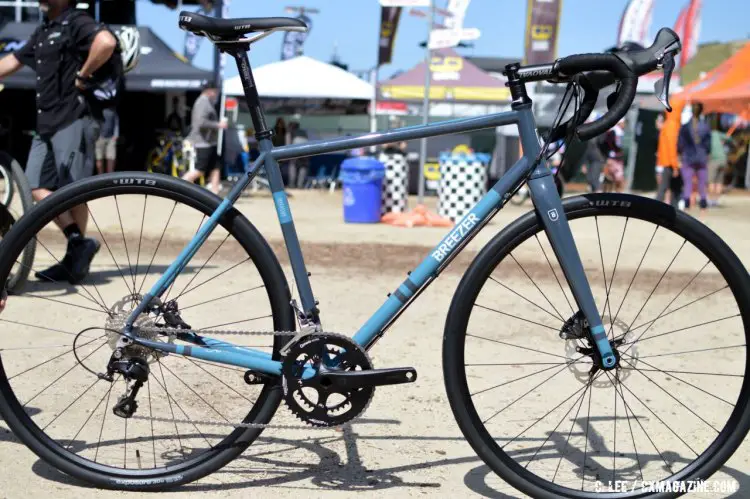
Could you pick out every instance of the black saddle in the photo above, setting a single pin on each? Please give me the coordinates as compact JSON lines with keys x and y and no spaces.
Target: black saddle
{"x":214,"y":27}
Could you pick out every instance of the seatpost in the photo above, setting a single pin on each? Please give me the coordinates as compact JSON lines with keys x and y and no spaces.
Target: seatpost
{"x":239,"y":52}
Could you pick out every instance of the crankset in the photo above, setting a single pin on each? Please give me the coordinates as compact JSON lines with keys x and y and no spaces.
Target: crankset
{"x":342,"y":382}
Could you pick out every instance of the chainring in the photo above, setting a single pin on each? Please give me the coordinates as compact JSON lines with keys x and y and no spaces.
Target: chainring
{"x":314,"y":401}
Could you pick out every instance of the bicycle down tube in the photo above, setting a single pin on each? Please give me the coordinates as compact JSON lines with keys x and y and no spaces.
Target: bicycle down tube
{"x":541,"y":185}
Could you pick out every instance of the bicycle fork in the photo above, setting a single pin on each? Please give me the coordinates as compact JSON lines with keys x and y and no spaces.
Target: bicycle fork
{"x":549,"y":208}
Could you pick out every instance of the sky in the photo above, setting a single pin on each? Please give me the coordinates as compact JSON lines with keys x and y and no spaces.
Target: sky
{"x":351,"y":28}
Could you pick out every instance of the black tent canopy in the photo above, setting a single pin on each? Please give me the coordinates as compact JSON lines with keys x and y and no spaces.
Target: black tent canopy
{"x":160,"y":69}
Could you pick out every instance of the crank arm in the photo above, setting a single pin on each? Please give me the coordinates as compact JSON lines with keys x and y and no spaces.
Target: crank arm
{"x":348,"y":380}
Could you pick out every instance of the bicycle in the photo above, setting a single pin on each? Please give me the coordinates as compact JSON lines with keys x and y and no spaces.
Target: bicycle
{"x":132,"y":343}
{"x":15,"y":197}
{"x":172,"y":156}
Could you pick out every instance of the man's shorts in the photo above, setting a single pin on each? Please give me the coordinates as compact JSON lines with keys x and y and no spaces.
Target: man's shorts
{"x":63,"y":158}
{"x":206,"y":159}
{"x":106,"y":148}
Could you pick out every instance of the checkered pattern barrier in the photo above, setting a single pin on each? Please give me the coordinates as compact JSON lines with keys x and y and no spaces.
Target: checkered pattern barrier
{"x":463,"y":182}
{"x":395,"y":184}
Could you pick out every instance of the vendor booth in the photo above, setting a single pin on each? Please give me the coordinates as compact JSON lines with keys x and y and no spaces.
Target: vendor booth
{"x":160,"y":77}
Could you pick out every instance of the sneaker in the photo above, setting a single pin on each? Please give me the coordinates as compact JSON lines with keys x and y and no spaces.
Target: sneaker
{"x":82,"y":251}
{"x":56,"y":273}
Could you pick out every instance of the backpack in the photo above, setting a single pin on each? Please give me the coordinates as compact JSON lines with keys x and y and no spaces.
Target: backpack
{"x":107,"y":84}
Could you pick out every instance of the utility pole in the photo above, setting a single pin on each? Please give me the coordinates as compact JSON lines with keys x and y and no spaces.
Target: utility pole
{"x":425,"y":103}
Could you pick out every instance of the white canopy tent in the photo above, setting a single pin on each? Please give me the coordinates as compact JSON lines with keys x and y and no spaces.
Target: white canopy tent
{"x":304,"y":78}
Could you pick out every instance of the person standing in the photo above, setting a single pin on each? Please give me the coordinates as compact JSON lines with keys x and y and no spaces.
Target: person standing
{"x":106,"y":144}
{"x":593,"y":163}
{"x":716,"y":164}
{"x":694,"y":147}
{"x":204,"y":128}
{"x":174,"y":119}
{"x":63,"y":149}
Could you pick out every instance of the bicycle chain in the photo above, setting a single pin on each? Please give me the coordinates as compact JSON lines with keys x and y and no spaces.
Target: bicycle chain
{"x":220,"y":332}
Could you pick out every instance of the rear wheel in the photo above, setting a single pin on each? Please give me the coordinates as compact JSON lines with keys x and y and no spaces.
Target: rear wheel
{"x":529,"y":392}
{"x":56,"y":337}
{"x":16,"y":197}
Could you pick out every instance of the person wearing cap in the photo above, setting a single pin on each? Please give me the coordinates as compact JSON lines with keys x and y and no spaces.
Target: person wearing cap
{"x":204,"y":134}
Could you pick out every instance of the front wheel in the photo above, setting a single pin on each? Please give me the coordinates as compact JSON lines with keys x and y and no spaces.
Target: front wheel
{"x":528,"y":390}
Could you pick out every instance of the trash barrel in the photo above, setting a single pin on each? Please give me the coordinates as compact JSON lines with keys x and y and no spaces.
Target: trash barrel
{"x":362,"y":180}
{"x":395,"y":183}
{"x":463,"y":182}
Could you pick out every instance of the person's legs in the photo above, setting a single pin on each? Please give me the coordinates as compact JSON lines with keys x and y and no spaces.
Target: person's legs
{"x":215,"y":181}
{"x":99,"y":153}
{"x":687,"y":172}
{"x":205,"y":162}
{"x":110,"y":153}
{"x":702,"y":176}
{"x":662,"y":187}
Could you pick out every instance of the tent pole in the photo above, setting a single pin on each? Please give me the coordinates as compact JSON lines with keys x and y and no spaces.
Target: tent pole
{"x":633,"y":125}
{"x":425,"y":104}
{"x":374,"y":103}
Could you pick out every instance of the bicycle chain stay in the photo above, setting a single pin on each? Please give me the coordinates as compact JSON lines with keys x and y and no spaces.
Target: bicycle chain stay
{"x":295,"y":334}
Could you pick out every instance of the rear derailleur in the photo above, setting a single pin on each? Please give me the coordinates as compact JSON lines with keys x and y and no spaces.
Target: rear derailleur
{"x":133,"y":370}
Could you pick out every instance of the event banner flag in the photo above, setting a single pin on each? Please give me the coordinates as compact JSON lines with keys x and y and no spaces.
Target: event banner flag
{"x":193,"y":41}
{"x":688,"y":27}
{"x":389,"y":17}
{"x":542,"y":23}
{"x":294,"y":40}
{"x":636,"y":22}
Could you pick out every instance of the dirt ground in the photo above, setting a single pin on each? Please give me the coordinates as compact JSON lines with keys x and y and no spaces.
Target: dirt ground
{"x":407,"y":444}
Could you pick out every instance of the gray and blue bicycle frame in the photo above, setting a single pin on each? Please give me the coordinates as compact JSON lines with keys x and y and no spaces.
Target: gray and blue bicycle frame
{"x":541,"y":184}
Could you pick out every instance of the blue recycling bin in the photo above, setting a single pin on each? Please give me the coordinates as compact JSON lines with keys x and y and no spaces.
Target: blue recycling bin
{"x":362,"y":180}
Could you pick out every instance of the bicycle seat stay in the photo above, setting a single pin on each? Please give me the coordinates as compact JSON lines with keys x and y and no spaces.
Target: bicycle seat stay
{"x":222,"y":29}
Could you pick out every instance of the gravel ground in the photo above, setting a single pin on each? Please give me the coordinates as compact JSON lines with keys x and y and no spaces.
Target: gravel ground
{"x":407,"y":443}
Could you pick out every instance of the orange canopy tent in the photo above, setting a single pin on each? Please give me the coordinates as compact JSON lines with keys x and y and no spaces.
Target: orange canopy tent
{"x":725,"y":89}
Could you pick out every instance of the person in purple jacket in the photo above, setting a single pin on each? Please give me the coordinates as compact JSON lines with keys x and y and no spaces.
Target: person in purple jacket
{"x":694,"y":147}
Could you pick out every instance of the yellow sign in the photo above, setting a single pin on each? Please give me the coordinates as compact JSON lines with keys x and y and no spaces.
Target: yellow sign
{"x":432,"y":171}
{"x":462,"y":149}
{"x":542,"y":31}
{"x":447,"y":64}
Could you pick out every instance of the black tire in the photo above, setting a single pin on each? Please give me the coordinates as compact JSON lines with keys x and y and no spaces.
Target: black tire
{"x":456,"y":337}
{"x":22,"y":192}
{"x":238,"y":439}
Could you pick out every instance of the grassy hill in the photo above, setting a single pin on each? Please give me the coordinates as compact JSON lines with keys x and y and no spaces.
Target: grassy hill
{"x":709,"y":56}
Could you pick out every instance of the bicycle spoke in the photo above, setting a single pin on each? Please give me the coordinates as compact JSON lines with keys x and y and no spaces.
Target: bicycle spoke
{"x":567,"y":440}
{"x":516,"y":317}
{"x":71,"y":404}
{"x":151,"y":420}
{"x":91,"y":414}
{"x":58,"y":378}
{"x":40,"y":327}
{"x":586,"y":441}
{"x":614,"y":437}
{"x":53,"y":358}
{"x":104,"y":239}
{"x":125,"y":452}
{"x":202,"y":266}
{"x":171,"y":410}
{"x":548,"y":413}
{"x":222,"y":297}
{"x":215,"y":377}
{"x":104,"y":418}
{"x":607,"y":303}
{"x":522,"y":396}
{"x":657,"y":417}
{"x":630,"y":427}
{"x":158,"y":244}
{"x":683,"y":372}
{"x":607,"y":307}
{"x":518,"y":364}
{"x":641,"y":339}
{"x":75,"y":288}
{"x":174,"y":279}
{"x":690,"y":351}
{"x":236,"y":322}
{"x":526,"y":299}
{"x":222,"y":366}
{"x":554,"y":273}
{"x":124,"y":242}
{"x":682,"y":380}
{"x":627,"y":291}
{"x":559,"y":315}
{"x":656,"y":286}
{"x":194,"y":392}
{"x":518,"y":346}
{"x":639,"y":371}
{"x":68,"y":304}
{"x":140,"y":240}
{"x":549,"y":435}
{"x":217,"y":275}
{"x":524,"y":377}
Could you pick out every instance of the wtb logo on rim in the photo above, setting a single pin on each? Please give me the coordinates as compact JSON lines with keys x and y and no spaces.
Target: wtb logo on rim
{"x":553,"y":215}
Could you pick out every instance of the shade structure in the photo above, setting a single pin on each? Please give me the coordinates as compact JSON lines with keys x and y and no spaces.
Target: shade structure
{"x":454,"y":79}
{"x":159,"y":69}
{"x":725,"y":89}
{"x":304,"y":78}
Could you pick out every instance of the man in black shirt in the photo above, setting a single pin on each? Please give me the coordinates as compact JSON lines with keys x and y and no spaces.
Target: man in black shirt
{"x":65,"y":51}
